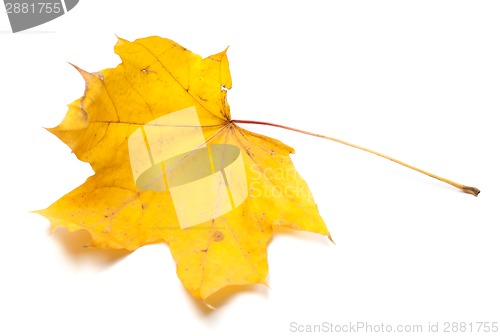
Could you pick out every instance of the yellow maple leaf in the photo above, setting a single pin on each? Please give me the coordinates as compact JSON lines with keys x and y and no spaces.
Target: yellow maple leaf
{"x":171,"y":166}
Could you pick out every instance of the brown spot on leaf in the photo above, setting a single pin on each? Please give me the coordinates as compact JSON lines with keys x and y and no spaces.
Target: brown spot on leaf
{"x":218,"y":236}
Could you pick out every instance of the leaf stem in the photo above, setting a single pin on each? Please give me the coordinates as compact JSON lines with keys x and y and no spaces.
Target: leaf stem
{"x":469,"y":190}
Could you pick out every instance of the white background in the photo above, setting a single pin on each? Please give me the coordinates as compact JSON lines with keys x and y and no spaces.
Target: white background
{"x":418,"y":80}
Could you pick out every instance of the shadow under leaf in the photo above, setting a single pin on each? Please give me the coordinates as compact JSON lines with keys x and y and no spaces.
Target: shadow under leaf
{"x":76,"y":245}
{"x":301,"y":235}
{"x":223,"y":296}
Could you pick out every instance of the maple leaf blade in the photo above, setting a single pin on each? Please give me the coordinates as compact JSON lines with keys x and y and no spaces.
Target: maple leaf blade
{"x":164,"y":107}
